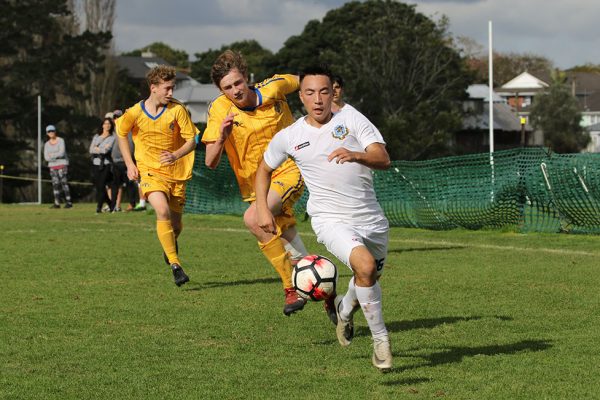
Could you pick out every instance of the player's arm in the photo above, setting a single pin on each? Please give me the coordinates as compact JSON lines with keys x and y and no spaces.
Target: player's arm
{"x":262,"y":183}
{"x":375,"y":156}
{"x":132,"y":171}
{"x":167,"y":157}
{"x":215,"y":149}
{"x":123,"y":126}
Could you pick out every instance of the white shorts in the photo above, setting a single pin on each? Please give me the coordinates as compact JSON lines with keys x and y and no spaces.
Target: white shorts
{"x":341,"y":238}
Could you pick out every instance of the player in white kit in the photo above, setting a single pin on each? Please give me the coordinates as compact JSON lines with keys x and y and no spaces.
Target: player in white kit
{"x":335,"y":154}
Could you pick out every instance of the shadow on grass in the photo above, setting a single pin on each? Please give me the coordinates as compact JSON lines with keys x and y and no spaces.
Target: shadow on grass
{"x":430,"y":248}
{"x":218,"y":284}
{"x":405,"y":382}
{"x":424,"y":323}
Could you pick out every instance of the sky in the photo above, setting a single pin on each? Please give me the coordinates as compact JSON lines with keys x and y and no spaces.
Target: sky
{"x":565,"y":31}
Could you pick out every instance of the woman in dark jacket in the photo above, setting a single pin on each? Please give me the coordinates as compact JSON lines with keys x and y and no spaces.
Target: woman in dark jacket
{"x":100,"y":149}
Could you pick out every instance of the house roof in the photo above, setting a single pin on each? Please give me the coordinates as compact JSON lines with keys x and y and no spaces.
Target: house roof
{"x":504,"y":119}
{"x":523,"y":82}
{"x":482,"y":91}
{"x":194,"y":92}
{"x":137,"y":67}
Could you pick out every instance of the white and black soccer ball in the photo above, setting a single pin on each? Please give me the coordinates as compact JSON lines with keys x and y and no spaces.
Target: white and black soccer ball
{"x":314,"y":277}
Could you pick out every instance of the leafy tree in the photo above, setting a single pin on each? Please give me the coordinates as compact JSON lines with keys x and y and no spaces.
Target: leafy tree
{"x":256,"y":56}
{"x":588,"y":67}
{"x":506,"y":65}
{"x":556,"y":112}
{"x":178,"y":58}
{"x":45,"y":58}
{"x":399,"y":68}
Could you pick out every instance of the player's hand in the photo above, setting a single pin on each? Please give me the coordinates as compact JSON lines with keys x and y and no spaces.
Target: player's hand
{"x":226,"y":127}
{"x":167,"y":158}
{"x":266,"y":221}
{"x":132,"y":173}
{"x":343,"y":155}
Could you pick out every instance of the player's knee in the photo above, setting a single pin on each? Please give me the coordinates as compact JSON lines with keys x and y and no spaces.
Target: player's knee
{"x":250,"y":219}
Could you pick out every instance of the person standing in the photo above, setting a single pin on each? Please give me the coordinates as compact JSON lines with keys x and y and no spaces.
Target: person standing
{"x":336,"y":153}
{"x":55,"y":153}
{"x":100,"y":149}
{"x":242,"y":121}
{"x":164,"y":138}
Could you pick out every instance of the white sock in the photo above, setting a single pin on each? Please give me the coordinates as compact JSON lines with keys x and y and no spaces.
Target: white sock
{"x":370,"y":302}
{"x":296,"y":248}
{"x":142,"y":202}
{"x":349,"y":302}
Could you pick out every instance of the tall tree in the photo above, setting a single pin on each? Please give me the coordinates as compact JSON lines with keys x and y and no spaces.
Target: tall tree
{"x":399,"y":67}
{"x":177,"y":58}
{"x":45,"y":58}
{"x":257,"y":57}
{"x":556,"y":113}
{"x":506,"y":65}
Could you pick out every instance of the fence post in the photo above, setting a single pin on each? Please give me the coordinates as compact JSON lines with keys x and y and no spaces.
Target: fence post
{"x":1,"y":181}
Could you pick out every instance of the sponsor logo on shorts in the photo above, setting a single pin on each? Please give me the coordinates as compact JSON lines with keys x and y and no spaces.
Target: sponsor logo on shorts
{"x":302,"y":145}
{"x":340,"y":132}
{"x":278,"y":183}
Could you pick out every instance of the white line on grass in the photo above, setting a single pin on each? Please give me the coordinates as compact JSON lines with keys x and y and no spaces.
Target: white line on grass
{"x":408,"y":241}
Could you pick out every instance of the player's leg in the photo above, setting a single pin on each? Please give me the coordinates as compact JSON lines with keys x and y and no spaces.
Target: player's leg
{"x":367,"y":263}
{"x":273,"y":249}
{"x":156,"y":192}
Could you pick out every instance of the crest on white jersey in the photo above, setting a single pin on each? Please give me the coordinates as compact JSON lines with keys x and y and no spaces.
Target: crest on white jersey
{"x":340,"y":132}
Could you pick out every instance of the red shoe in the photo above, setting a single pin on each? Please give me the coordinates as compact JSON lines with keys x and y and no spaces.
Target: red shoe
{"x":329,"y":305}
{"x":293,"y":302}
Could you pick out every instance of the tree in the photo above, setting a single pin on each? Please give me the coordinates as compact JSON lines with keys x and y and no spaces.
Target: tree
{"x":177,"y":58}
{"x":506,"y":65}
{"x":399,"y":67}
{"x":556,"y":112}
{"x":256,"y":56}
{"x":45,"y":58}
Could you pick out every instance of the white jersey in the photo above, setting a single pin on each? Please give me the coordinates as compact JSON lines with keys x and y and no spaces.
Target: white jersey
{"x":337,"y":192}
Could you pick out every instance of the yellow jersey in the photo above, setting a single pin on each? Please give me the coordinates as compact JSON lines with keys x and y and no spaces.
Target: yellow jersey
{"x":168,"y":130}
{"x":253,"y":128}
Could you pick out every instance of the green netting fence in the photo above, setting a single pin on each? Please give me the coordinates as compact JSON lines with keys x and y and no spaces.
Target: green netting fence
{"x":529,"y":189}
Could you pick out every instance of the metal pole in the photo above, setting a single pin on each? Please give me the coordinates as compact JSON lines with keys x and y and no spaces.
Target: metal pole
{"x":1,"y":181}
{"x":39,"y":148}
{"x":491,"y":83}
{"x":491,"y":107}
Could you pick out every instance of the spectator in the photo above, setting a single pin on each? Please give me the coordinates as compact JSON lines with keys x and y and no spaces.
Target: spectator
{"x":55,"y":153}
{"x":101,"y":148}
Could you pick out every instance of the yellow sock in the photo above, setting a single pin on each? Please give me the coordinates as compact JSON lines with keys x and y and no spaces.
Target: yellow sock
{"x":164,"y":231}
{"x":278,"y":257}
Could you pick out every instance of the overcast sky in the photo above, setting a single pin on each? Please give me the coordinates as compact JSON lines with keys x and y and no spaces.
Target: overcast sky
{"x":565,"y":31}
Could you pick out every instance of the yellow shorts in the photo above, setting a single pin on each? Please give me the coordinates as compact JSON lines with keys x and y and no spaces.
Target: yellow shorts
{"x":174,"y":190}
{"x":290,"y":186}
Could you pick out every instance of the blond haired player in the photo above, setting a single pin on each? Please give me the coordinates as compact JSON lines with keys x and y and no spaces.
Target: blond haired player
{"x":242,"y":121}
{"x":164,"y":138}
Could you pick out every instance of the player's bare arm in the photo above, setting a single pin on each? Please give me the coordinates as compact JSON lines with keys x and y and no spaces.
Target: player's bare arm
{"x":265,"y":218}
{"x":215,"y":149}
{"x":168,"y":158}
{"x":132,"y":171}
{"x":374,"y":157}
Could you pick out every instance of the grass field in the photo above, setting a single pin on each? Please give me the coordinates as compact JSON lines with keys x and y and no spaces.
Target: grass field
{"x":88,"y":310}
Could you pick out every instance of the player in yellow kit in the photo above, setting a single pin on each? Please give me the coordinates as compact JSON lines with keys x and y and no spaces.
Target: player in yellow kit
{"x":242,"y":121}
{"x":164,"y":138}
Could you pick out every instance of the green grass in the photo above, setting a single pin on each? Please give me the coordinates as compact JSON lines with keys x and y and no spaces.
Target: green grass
{"x":88,"y":310}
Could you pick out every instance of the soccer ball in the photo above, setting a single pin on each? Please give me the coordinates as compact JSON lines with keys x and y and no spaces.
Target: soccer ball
{"x":314,"y":277}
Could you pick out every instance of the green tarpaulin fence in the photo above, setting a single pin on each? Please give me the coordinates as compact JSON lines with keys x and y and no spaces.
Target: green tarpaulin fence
{"x":526,"y":188}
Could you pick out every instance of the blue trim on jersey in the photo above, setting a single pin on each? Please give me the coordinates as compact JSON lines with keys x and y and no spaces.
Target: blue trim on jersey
{"x":260,"y":101}
{"x":148,"y":114}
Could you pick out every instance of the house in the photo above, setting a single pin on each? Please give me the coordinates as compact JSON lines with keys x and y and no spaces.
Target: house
{"x":197,"y":97}
{"x":520,"y":93}
{"x":136,"y":68}
{"x":508,"y":130}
